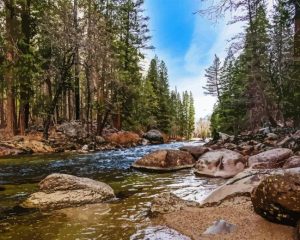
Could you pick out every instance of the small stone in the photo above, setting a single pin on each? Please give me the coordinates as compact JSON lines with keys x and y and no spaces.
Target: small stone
{"x":220,"y":227}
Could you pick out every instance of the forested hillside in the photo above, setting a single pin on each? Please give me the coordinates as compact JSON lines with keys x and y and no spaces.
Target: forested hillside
{"x":67,"y":60}
{"x":259,"y":81}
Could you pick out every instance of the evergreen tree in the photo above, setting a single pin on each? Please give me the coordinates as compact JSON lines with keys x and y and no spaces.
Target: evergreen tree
{"x":213,"y":75}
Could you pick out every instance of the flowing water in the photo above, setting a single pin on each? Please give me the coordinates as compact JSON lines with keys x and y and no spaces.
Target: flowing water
{"x":124,"y":218}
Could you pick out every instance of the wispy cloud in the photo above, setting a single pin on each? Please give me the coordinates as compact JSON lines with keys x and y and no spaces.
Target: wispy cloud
{"x":187,"y":70}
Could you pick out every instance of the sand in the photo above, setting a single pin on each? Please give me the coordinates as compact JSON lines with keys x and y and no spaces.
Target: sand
{"x":193,"y":221}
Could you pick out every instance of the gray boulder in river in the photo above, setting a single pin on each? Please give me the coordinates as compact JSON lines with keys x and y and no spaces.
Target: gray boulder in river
{"x":154,"y":136}
{"x":196,"y":151}
{"x":165,"y":160}
{"x":62,"y":190}
{"x":222,"y":163}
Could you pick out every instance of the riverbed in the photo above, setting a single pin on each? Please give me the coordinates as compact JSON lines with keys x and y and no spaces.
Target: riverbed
{"x":123,"y":218}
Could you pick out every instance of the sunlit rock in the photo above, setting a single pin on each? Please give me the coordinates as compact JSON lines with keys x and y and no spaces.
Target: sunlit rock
{"x":277,"y":198}
{"x":62,"y":190}
{"x":270,"y":159}
{"x":123,"y":138}
{"x":220,"y":163}
{"x":165,"y":160}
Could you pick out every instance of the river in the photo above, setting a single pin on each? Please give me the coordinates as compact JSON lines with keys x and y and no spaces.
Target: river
{"x":124,"y":218}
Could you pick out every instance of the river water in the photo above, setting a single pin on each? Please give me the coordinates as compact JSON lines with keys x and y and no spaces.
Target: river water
{"x":124,"y":218}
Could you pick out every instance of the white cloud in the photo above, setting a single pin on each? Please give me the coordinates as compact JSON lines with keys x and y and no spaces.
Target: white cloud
{"x":199,"y":56}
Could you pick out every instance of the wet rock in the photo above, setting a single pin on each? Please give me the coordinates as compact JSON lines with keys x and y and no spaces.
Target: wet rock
{"x":196,"y":151}
{"x":220,"y":163}
{"x":220,"y":227}
{"x":274,"y":158}
{"x":6,"y":150}
{"x":165,"y":160}
{"x":123,"y":138}
{"x":277,"y":198}
{"x":292,"y":162}
{"x":62,"y":190}
{"x":167,"y":203}
{"x":154,"y":136}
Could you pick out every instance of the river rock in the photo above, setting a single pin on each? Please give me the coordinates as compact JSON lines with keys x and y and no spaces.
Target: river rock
{"x":196,"y":151}
{"x":37,"y":146}
{"x":154,"y":136}
{"x":272,"y":136}
{"x":220,"y":227}
{"x":99,"y":140}
{"x":167,"y":203}
{"x":63,"y":190}
{"x":291,"y":142}
{"x":240,"y":185}
{"x":277,"y":198}
{"x":270,"y":159}
{"x":292,"y":162}
{"x":165,"y":160}
{"x":123,"y":138}
{"x":6,"y":150}
{"x":73,"y":129}
{"x":220,"y":163}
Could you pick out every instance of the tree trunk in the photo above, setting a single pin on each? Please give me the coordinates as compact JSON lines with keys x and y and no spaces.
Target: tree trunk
{"x":76,"y":64}
{"x":88,"y":67}
{"x":11,"y":30}
{"x":25,"y":86}
{"x":297,"y":32}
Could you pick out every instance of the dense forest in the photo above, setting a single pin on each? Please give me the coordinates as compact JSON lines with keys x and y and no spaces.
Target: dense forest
{"x":67,"y":60}
{"x":258,"y":83}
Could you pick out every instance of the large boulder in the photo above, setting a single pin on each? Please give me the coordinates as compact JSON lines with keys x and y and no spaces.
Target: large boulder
{"x":154,"y":136}
{"x":277,"y":198}
{"x":62,"y":190}
{"x":196,"y":151}
{"x":123,"y":138}
{"x":165,"y":160}
{"x":274,"y":158}
{"x":292,"y":162}
{"x":73,"y":130}
{"x":37,"y":146}
{"x":222,"y":163}
{"x":240,"y":185}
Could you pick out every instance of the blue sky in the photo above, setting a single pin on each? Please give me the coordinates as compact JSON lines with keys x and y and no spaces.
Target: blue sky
{"x":187,"y":43}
